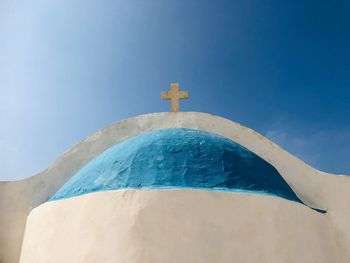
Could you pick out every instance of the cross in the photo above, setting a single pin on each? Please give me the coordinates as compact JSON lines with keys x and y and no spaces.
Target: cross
{"x":174,"y":95}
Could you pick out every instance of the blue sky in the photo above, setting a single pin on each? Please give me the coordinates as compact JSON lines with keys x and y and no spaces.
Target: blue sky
{"x":68,"y":68}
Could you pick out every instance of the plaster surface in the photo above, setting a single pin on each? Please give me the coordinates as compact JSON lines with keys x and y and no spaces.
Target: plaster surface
{"x":139,"y":226}
{"x":315,"y":188}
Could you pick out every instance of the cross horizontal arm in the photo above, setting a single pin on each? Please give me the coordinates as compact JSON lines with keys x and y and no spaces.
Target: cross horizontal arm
{"x":166,"y":95}
{"x":183,"y":95}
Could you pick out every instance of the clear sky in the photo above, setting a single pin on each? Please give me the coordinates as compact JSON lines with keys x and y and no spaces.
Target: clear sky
{"x":69,"y":67}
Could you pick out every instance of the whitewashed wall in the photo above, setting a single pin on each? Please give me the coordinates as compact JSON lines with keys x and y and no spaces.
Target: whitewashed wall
{"x":187,"y":226}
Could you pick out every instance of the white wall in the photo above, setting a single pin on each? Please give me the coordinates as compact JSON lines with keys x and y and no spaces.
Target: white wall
{"x":315,"y":188}
{"x":157,"y":226}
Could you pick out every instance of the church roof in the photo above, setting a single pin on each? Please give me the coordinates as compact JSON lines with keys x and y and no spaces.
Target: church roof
{"x":178,"y":158}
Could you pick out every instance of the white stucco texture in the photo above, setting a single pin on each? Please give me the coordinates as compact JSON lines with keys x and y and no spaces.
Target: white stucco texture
{"x":159,"y":226}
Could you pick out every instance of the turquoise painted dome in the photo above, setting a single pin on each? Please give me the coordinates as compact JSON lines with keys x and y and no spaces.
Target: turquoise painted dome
{"x":178,"y":158}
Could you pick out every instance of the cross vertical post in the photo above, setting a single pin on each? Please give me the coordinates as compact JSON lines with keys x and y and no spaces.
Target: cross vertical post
{"x":174,"y":95}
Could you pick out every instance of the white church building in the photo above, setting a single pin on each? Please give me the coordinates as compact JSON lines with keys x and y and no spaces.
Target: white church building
{"x":176,"y":187}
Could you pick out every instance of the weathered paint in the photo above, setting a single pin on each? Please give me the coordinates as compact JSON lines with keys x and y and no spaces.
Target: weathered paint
{"x":178,"y":158}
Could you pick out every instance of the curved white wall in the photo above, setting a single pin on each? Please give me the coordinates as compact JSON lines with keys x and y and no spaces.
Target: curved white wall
{"x":315,"y":188}
{"x":156,"y":226}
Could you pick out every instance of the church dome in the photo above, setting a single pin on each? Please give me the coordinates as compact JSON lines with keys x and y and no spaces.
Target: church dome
{"x":178,"y":158}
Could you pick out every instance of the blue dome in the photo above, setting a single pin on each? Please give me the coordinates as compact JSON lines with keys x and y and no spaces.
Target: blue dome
{"x":178,"y":158}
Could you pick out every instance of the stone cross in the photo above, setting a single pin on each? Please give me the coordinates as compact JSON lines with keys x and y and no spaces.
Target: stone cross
{"x":174,"y":95}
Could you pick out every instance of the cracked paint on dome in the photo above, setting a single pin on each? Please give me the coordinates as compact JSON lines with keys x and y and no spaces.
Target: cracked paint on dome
{"x":178,"y":158}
